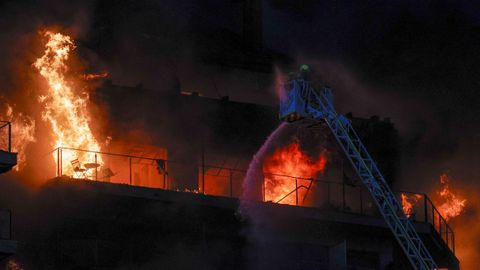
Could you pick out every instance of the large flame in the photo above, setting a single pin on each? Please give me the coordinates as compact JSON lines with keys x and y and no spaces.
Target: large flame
{"x":65,"y":107}
{"x":408,"y":202}
{"x":290,"y":161}
{"x":448,"y":203}
{"x":451,"y":204}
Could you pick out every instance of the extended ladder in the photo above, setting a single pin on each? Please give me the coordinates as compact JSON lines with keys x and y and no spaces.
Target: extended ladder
{"x":303,"y":101}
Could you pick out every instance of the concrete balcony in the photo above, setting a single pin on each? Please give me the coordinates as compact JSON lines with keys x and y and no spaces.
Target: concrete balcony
{"x":8,"y":159}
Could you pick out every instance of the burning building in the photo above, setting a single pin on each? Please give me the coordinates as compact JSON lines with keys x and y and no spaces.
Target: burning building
{"x":175,"y":204}
{"x":149,"y":178}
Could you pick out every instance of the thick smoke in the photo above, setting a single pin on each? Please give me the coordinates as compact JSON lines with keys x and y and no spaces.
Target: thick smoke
{"x":415,"y":63}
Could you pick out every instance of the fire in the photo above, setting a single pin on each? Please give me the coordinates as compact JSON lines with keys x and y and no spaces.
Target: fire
{"x":452,"y":205}
{"x":290,"y":161}
{"x":23,"y":133}
{"x":65,"y":107}
{"x":408,"y":202}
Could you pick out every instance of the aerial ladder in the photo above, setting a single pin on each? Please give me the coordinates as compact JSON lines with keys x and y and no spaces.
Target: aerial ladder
{"x":302,"y":101}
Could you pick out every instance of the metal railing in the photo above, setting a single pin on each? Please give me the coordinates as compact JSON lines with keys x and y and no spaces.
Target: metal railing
{"x":6,"y":137}
{"x":110,"y":167}
{"x":433,"y":216}
{"x":423,"y":210}
{"x":228,"y":182}
{"x":339,"y":196}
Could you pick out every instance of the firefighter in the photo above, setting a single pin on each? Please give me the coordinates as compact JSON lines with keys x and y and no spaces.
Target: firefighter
{"x":304,"y":72}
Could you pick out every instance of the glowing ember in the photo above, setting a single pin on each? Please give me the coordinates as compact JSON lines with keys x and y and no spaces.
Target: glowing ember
{"x":23,"y":133}
{"x":452,"y":205}
{"x":290,"y":161}
{"x":64,"y":107}
{"x":408,"y":201}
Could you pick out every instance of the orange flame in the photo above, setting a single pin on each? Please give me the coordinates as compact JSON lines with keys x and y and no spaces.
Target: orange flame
{"x":23,"y":133}
{"x":64,"y":107}
{"x":290,"y":161}
{"x":452,"y":205}
{"x":408,"y":202}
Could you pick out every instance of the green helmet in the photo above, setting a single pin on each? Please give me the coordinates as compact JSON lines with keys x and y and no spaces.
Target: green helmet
{"x":304,"y":67}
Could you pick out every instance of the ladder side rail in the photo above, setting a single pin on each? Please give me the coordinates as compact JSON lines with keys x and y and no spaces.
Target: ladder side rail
{"x":380,"y":200}
{"x":372,"y":165}
{"x":364,"y":152}
{"x":334,"y":116}
{"x":374,"y":168}
{"x":405,"y":236}
{"x":387,"y":191}
{"x":408,"y":241}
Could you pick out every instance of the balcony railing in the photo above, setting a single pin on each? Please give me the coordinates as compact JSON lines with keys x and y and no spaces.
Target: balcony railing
{"x":110,"y":167}
{"x":425,"y":211}
{"x":227,"y":181}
